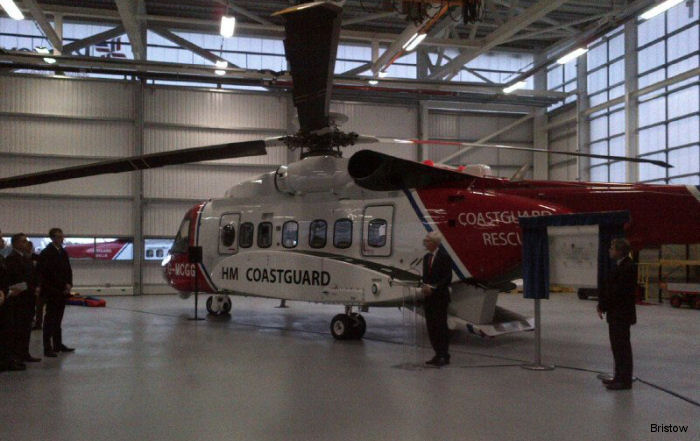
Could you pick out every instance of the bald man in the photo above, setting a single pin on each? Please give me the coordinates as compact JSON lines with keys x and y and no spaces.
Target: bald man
{"x":437,"y":276}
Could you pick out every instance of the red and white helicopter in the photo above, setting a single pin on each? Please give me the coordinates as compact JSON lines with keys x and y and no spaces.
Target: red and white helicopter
{"x":348,"y":231}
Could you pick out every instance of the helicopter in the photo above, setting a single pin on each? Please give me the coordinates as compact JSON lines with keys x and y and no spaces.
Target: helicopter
{"x":347,"y":231}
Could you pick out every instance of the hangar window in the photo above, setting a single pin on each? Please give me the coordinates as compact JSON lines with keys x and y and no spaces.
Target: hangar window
{"x":264,"y":234}
{"x":228,"y":235}
{"x":376,"y":233}
{"x":290,"y":234}
{"x":245,"y":235}
{"x":317,"y":233}
{"x":342,"y":233}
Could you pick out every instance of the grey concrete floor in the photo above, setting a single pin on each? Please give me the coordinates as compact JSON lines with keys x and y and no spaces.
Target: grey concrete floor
{"x":142,"y":371}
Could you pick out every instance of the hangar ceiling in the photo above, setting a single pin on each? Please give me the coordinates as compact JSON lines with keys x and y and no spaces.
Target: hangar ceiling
{"x":547,"y":28}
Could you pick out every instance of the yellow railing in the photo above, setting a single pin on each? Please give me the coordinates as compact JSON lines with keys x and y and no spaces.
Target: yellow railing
{"x":644,"y":271}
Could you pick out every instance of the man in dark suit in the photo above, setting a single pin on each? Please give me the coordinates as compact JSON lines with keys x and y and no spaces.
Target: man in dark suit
{"x":56,"y":282}
{"x":617,"y":301}
{"x":437,"y":276}
{"x":20,"y":271}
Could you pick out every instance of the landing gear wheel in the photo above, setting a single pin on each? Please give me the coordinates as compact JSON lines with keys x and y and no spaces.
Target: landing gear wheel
{"x":359,"y":326}
{"x":226,"y":305}
{"x":218,"y":305}
{"x":341,"y":327}
{"x":676,"y":301}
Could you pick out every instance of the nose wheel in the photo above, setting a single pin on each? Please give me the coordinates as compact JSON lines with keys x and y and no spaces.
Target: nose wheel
{"x":351,"y":326}
{"x":218,"y":305}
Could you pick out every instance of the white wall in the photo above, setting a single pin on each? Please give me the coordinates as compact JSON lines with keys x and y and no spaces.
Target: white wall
{"x":471,"y":127}
{"x":563,"y":137}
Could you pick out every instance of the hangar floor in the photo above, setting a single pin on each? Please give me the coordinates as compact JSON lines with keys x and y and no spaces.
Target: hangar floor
{"x":142,"y":371}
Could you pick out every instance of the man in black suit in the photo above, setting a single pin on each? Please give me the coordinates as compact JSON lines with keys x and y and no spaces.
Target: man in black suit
{"x":617,"y":301}
{"x":437,"y":276}
{"x":20,"y":271}
{"x":56,"y":282}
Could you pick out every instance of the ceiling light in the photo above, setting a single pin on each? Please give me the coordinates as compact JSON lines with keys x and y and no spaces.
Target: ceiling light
{"x":373,"y":82}
{"x":44,"y":51}
{"x":12,"y":10}
{"x":414,"y":41}
{"x":658,"y":9}
{"x":220,"y":72}
{"x":228,"y":24}
{"x":221,"y":64}
{"x":571,"y":55}
{"x":514,"y":87}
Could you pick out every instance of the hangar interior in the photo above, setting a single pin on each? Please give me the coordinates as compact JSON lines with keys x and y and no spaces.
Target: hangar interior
{"x":89,"y":80}
{"x":634,"y":93}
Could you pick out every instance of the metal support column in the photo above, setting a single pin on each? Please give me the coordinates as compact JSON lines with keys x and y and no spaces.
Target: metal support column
{"x":631,"y":103}
{"x":540,"y":133}
{"x":137,"y":188}
{"x":583,"y":125}
{"x":423,"y":130}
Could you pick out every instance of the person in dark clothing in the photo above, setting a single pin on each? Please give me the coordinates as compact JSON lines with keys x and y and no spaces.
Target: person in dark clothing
{"x":437,"y":276}
{"x":617,"y":302}
{"x":21,"y":272}
{"x":7,"y":362}
{"x":40,"y":300}
{"x":56,"y":282}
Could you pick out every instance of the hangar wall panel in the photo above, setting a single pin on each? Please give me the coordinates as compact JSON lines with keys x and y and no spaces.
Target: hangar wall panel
{"x":473,"y":126}
{"x":563,"y":137}
{"x":383,"y":121}
{"x":67,"y":97}
{"x":163,"y":219}
{"x":43,"y":136}
{"x":77,"y":217}
{"x":215,"y":109}
{"x":101,"y":274}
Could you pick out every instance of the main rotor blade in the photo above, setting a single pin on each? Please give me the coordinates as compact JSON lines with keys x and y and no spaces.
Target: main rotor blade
{"x":143,"y":162}
{"x":311,"y":38}
{"x":525,"y":149}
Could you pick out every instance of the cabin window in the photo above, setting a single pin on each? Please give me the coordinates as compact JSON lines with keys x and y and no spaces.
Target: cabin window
{"x":149,"y":253}
{"x":317,"y":233}
{"x":376,"y":233}
{"x":159,"y":253}
{"x":245,"y":235}
{"x":290,"y":234}
{"x":228,"y":235}
{"x":342,"y":233}
{"x":264,"y":234}
{"x":181,"y":243}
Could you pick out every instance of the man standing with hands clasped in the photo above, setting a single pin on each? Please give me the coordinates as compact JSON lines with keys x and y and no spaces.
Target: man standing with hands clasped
{"x":437,"y":276}
{"x":56,"y":283}
{"x":617,"y":301}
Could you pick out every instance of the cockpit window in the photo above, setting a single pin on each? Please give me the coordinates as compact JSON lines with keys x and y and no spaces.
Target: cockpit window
{"x":228,"y":235}
{"x":182,"y":239}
